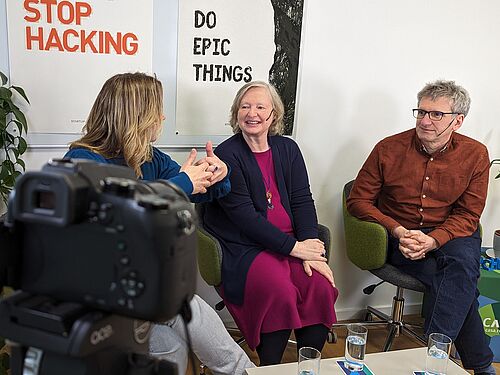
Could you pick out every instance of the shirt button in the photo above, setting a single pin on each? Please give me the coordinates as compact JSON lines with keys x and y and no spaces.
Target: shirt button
{"x":427,"y":178}
{"x":421,"y":224}
{"x":431,"y":159}
{"x":423,"y":196}
{"x":420,"y":209}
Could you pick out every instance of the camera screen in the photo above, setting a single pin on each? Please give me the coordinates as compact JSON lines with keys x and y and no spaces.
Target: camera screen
{"x":45,"y":199}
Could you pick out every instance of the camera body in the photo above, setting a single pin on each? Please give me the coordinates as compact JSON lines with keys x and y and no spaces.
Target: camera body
{"x":92,"y":234}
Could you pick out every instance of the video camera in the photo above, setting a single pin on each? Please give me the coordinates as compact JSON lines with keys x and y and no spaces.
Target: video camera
{"x":90,"y":248}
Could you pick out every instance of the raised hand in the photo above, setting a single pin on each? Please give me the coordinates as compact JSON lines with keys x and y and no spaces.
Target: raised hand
{"x":311,"y":249}
{"x":198,"y":173}
{"x":322,"y":267}
{"x":216,"y":166}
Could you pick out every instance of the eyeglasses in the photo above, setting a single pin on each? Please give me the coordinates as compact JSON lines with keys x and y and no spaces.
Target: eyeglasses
{"x":433,"y":115}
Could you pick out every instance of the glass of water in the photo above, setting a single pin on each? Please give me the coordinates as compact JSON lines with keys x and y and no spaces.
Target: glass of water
{"x":438,"y":352}
{"x":355,"y":346}
{"x":309,"y":361}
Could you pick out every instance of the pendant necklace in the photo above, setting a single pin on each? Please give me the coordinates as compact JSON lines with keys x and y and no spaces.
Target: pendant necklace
{"x":267,"y":183}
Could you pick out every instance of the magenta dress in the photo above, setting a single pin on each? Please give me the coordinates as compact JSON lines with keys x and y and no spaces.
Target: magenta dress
{"x":278,"y":293}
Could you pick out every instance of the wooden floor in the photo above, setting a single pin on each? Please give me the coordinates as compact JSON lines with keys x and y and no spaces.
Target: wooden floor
{"x":376,"y":340}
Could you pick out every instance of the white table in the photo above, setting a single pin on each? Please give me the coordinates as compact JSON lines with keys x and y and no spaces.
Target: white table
{"x":396,"y":362}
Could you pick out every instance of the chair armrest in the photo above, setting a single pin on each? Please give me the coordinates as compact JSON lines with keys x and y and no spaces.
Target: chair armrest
{"x":209,"y":257}
{"x":325,"y":236}
{"x":366,"y":242}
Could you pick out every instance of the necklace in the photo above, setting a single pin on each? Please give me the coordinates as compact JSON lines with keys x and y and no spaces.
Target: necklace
{"x":267,"y":182}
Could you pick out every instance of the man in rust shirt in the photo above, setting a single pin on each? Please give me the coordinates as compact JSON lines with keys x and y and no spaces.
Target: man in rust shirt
{"x":428,"y":187}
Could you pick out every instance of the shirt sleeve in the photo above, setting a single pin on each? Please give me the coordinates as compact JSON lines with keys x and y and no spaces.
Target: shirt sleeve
{"x":362,"y":200}
{"x":466,"y":211}
{"x":239,"y":208}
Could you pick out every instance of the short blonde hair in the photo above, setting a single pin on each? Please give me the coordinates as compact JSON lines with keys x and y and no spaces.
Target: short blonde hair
{"x":126,"y":113}
{"x":277,"y":125}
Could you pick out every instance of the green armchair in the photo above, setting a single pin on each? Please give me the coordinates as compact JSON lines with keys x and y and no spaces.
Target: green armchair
{"x":366,"y":246}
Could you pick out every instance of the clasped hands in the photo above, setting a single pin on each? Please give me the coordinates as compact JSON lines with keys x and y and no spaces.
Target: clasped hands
{"x":414,"y":244}
{"x":312,"y":253}
{"x":204,"y":172}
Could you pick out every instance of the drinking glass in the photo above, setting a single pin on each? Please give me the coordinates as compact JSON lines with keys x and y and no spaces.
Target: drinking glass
{"x":355,"y":346}
{"x":309,"y":361}
{"x":438,"y":352}
{"x":496,"y":243}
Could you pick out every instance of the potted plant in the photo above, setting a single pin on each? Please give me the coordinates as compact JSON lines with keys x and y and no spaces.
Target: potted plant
{"x":13,"y":127}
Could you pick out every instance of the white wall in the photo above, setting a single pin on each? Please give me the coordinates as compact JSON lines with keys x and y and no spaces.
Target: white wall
{"x":362,"y":64}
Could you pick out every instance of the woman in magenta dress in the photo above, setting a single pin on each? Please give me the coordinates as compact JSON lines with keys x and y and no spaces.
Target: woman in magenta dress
{"x":275,"y":277}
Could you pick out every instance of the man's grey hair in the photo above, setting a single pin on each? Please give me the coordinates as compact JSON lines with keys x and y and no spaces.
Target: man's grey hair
{"x":459,"y":97}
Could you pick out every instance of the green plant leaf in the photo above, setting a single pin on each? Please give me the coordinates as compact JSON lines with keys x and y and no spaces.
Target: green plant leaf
{"x":9,"y":138}
{"x":22,"y":146}
{"x":19,"y":126}
{"x":498,"y":175}
{"x":21,"y":92}
{"x":20,"y":116}
{"x":4,"y":78}
{"x":5,"y":94}
{"x":15,"y":151}
{"x":9,"y":181}
{"x":9,"y":165}
{"x":4,"y":172}
{"x":21,"y":163}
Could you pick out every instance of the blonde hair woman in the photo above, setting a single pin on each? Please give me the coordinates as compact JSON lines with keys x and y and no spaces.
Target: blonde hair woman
{"x":125,"y":119}
{"x":123,"y":122}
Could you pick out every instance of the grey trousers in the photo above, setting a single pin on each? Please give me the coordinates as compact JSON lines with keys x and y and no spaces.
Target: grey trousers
{"x":211,"y":342}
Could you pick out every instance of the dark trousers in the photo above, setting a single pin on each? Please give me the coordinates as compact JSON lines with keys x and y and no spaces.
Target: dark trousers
{"x":450,"y":275}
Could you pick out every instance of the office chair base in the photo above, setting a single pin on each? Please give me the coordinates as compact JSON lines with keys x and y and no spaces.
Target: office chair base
{"x":396,"y":326}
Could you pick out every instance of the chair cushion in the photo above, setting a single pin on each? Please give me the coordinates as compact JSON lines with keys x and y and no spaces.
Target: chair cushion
{"x":366,"y":242}
{"x":209,"y":258}
{"x":396,"y":277}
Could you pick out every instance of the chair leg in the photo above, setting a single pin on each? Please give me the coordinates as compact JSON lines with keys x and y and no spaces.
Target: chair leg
{"x":393,"y":329}
{"x":379,"y":314}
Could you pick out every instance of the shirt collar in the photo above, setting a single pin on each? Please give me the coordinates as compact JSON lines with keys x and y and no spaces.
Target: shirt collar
{"x":421,"y":148}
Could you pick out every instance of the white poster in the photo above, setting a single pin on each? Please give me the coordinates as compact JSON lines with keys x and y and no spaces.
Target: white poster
{"x":224,"y":44}
{"x":61,"y":53}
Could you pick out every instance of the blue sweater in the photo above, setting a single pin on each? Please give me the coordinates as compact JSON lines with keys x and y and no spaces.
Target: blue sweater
{"x":239,"y":220}
{"x":161,"y":167}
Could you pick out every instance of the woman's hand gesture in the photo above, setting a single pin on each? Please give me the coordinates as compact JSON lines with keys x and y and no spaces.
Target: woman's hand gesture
{"x":198,"y":172}
{"x":216,"y":166}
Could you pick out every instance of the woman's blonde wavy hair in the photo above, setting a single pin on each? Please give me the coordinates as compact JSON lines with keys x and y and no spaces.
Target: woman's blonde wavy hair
{"x":126,"y":115}
{"x":277,"y":125}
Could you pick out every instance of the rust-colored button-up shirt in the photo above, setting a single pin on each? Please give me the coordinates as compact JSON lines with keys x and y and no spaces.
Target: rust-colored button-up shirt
{"x":400,"y":184}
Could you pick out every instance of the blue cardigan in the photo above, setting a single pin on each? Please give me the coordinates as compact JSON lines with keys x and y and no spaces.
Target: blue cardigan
{"x":239,"y":220}
{"x":161,"y":167}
